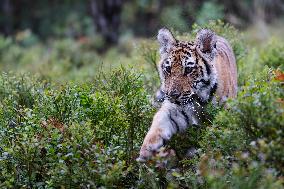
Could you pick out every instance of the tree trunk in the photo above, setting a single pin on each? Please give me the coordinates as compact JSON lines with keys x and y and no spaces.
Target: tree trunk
{"x":6,"y":24}
{"x":106,"y":18}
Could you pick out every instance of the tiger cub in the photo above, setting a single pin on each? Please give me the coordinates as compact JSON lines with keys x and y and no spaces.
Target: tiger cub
{"x":192,"y":74}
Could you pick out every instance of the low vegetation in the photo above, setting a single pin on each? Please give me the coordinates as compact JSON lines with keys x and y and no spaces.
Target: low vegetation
{"x":71,"y":118}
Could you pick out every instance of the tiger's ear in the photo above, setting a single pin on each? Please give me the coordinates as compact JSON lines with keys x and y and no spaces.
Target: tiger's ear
{"x":206,"y":40}
{"x":206,"y":43}
{"x":166,"y":40}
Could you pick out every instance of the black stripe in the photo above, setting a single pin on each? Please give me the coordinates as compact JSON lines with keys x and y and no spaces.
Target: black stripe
{"x":175,"y":123}
{"x":163,"y":141}
{"x":208,"y":70}
{"x":205,"y":82}
{"x":212,"y":91}
{"x":177,"y":102}
{"x":201,"y":71}
{"x":186,"y":117}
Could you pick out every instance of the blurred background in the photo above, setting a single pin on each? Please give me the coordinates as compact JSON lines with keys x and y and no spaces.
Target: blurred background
{"x":110,"y":20}
{"x":37,"y":36}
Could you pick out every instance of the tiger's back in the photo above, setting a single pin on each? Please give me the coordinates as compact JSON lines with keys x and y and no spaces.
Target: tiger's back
{"x":225,"y":64}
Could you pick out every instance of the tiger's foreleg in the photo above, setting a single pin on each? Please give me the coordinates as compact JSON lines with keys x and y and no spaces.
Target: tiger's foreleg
{"x":166,"y":122}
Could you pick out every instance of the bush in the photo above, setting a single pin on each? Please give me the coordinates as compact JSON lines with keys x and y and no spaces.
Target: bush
{"x":73,"y":135}
{"x":254,"y":120}
{"x":56,"y":59}
{"x":272,"y":54}
{"x":119,"y":110}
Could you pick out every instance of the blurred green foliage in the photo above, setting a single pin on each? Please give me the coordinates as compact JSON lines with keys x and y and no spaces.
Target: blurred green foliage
{"x":172,"y":17}
{"x":210,"y":11}
{"x":45,"y":18}
{"x":74,"y":19}
{"x":273,"y":54}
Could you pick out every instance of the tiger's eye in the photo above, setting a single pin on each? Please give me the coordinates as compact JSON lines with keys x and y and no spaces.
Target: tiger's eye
{"x":189,"y":63}
{"x":187,"y":70}
{"x":168,"y":69}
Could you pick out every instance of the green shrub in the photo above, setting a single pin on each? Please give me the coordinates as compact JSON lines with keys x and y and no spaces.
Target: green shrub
{"x":255,"y":115}
{"x":18,"y":95}
{"x":119,"y":110}
{"x":56,"y":59}
{"x":5,"y":43}
{"x":62,"y":104}
{"x":272,"y":54}
{"x":50,"y":158}
{"x":215,"y":171}
{"x":71,"y":135}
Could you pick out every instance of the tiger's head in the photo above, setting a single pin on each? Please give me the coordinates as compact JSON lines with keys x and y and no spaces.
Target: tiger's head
{"x":185,"y":67}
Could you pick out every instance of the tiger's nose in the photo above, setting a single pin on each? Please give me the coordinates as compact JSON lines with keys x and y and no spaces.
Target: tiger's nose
{"x":174,"y":94}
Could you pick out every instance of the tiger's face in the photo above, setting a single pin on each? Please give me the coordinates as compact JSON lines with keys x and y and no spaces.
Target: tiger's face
{"x":185,"y":75}
{"x":180,"y":69}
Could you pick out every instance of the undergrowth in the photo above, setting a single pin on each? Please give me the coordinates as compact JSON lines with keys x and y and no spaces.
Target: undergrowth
{"x":87,"y":134}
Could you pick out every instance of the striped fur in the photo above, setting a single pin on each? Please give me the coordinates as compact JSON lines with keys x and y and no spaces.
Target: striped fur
{"x":192,"y":74}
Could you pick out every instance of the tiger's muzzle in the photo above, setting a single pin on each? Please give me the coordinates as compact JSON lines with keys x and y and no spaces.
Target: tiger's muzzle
{"x":181,"y":99}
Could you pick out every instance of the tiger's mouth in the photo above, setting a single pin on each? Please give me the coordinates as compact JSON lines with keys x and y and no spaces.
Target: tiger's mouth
{"x":184,"y":99}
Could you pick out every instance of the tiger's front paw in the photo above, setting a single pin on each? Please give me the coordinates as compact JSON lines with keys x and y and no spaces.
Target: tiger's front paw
{"x":150,"y":147}
{"x":144,"y":155}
